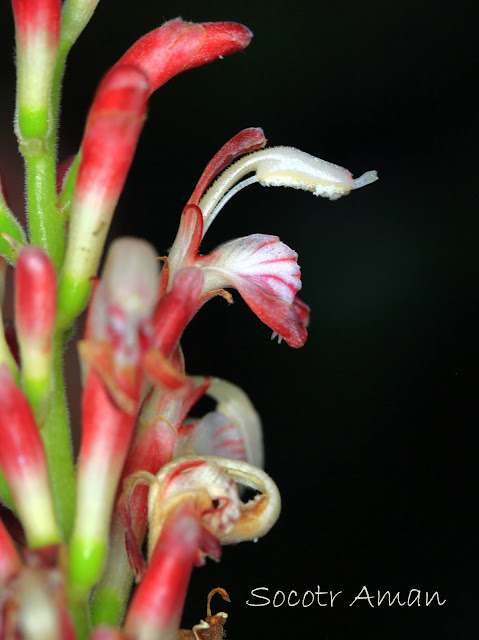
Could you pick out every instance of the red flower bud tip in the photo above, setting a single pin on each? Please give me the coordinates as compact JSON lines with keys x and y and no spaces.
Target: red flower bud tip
{"x":22,"y":459}
{"x":158,"y":602}
{"x":35,"y":297}
{"x":113,"y":126}
{"x":34,"y":17}
{"x":178,"y":45}
{"x":37,"y":27}
{"x":9,"y":559}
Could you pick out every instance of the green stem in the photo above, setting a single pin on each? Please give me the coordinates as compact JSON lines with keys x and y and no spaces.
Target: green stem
{"x":45,"y":222}
{"x":80,"y":618}
{"x":56,"y":438}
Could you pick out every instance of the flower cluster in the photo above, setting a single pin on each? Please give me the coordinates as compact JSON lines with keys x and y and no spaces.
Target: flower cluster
{"x":72,"y":530}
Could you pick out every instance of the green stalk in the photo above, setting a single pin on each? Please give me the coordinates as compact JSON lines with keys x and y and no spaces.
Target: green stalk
{"x":45,"y":221}
{"x":56,"y":438}
{"x":81,"y":619}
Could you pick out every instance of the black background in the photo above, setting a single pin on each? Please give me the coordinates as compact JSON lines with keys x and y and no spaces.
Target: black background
{"x":368,"y":428}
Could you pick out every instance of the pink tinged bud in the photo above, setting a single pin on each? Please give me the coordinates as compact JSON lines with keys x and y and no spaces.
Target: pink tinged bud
{"x":22,"y":459}
{"x":158,"y":601}
{"x":112,"y":130}
{"x":233,"y":430}
{"x":37,"y":28}
{"x":177,"y":46}
{"x":119,"y":324}
{"x":35,"y":315}
{"x":266,"y":274}
{"x":10,"y":562}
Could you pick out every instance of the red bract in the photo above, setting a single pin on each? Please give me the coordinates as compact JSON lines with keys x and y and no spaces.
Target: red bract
{"x":178,"y":45}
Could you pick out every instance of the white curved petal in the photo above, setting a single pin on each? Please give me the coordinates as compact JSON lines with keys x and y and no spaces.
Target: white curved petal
{"x":233,"y":430}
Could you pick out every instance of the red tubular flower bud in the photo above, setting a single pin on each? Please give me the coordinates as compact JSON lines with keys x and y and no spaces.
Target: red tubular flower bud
{"x":113,"y":126}
{"x":105,"y":439}
{"x":177,"y":46}
{"x":35,"y":316}
{"x":158,"y":602}
{"x":37,"y":27}
{"x":112,"y":130}
{"x":34,"y":16}
{"x":22,"y":459}
{"x":35,"y":297}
